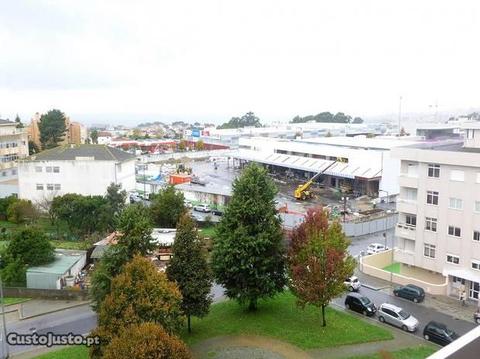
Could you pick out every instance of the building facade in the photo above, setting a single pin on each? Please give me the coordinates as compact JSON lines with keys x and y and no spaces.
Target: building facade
{"x":82,"y":169}
{"x":439,"y":211}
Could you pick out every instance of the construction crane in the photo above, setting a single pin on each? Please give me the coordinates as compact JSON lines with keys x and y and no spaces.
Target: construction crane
{"x":302,"y":192}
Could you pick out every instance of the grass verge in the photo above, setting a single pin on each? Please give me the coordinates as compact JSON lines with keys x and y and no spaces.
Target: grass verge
{"x":393,"y":268}
{"x":282,"y":319}
{"x":71,"y":352}
{"x":13,"y":300}
{"x":418,"y":352}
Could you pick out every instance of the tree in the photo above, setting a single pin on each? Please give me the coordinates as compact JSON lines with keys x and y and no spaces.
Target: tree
{"x":189,"y":269}
{"x":199,"y":145}
{"x":318,"y":260}
{"x":167,"y":206}
{"x":52,"y":128}
{"x":31,"y":247}
{"x":146,"y":341}
{"x":139,"y":294}
{"x":182,"y":146}
{"x":21,"y":211}
{"x":116,"y":198}
{"x":32,"y":147}
{"x":357,"y":120}
{"x":403,"y":132}
{"x":14,"y":273}
{"x":94,"y":136}
{"x":247,"y":120}
{"x":328,"y":134}
{"x":248,"y":254}
{"x":18,"y":122}
{"x":4,"y":204}
{"x":135,"y":227}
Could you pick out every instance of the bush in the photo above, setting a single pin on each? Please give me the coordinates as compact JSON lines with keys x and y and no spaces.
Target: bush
{"x":30,"y":246}
{"x":146,"y":341}
{"x":14,"y":274}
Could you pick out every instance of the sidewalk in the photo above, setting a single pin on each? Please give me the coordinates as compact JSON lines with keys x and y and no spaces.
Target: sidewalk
{"x":447,"y":305}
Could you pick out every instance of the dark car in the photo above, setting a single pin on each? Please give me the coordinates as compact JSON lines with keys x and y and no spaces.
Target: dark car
{"x":411,"y":292}
{"x":439,"y":333}
{"x":359,"y":303}
{"x":217,"y":212}
{"x":476,"y":316}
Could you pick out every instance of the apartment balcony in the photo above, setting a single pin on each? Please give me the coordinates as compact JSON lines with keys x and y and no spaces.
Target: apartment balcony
{"x":404,"y":256}
{"x":407,"y":231}
{"x":406,"y":206}
{"x":408,"y":180}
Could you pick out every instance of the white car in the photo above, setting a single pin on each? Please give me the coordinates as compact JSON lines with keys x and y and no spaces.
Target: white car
{"x":202,"y":208}
{"x":352,"y":284}
{"x":374,"y":248}
{"x":389,"y":313}
{"x":188,"y":204}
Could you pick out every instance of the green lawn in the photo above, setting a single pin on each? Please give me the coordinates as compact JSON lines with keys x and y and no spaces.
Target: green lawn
{"x":72,"y":352}
{"x":394,"y":268}
{"x":419,"y":352}
{"x":207,"y":231}
{"x":71,"y":244}
{"x":280,"y":318}
{"x":13,"y":300}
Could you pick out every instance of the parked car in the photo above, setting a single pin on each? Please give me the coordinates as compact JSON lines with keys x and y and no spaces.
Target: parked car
{"x":439,"y":333}
{"x":202,"y":208}
{"x":374,"y":248}
{"x":359,"y":303}
{"x":411,"y":292}
{"x":352,"y":284}
{"x":217,"y":212}
{"x":188,"y":204}
{"x":135,"y":197}
{"x":476,"y":316}
{"x":389,"y":313}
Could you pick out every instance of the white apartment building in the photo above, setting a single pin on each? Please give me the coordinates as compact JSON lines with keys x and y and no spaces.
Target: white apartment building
{"x":439,"y":210}
{"x":81,"y":169}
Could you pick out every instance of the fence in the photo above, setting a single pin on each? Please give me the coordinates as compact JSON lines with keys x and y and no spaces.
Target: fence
{"x":65,"y":294}
{"x":354,"y":229}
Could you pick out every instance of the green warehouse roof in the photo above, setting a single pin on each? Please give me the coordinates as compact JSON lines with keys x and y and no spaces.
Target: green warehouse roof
{"x":64,"y":260}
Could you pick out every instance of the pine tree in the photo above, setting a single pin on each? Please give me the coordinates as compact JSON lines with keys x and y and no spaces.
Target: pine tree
{"x":190,"y":270}
{"x":248,"y":255}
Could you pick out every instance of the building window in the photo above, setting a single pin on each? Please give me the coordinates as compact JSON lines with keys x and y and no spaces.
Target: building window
{"x":433,"y":170}
{"x":410,"y":194}
{"x":458,"y":280}
{"x":38,"y":169}
{"x":455,"y":203}
{"x":39,"y":187}
{"x":453,"y":259}
{"x":411,"y":219}
{"x":476,"y":236}
{"x":14,"y":172}
{"x":58,"y":186}
{"x":429,"y":250}
{"x":432,"y":197}
{"x":48,"y":169}
{"x":476,"y":207}
{"x":475,"y":264}
{"x":49,"y":186}
{"x":457,"y":175}
{"x":56,"y":169}
{"x":431,"y":224}
{"x":4,"y":173}
{"x":454,"y":231}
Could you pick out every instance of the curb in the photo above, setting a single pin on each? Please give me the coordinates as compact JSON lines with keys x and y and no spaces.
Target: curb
{"x":374,"y":288}
{"x":51,"y":311}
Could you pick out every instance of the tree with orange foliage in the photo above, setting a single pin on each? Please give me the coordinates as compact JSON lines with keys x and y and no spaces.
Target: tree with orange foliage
{"x":146,"y":341}
{"x":318,"y":260}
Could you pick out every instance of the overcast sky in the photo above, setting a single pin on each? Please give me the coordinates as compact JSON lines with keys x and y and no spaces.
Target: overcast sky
{"x":211,"y":60}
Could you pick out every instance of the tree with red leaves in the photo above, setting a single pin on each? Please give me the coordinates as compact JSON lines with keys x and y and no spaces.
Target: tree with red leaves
{"x":318,"y":260}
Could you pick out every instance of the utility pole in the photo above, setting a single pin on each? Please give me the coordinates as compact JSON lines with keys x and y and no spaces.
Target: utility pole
{"x":345,"y":199}
{"x":399,"y":114}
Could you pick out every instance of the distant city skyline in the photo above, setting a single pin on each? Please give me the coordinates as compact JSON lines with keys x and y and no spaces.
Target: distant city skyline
{"x":212,"y":60}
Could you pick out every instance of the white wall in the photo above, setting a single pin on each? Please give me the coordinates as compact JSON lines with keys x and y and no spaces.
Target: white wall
{"x":87,"y":177}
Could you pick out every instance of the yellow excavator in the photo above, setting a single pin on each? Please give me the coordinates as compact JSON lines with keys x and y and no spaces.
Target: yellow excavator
{"x":302,"y":192}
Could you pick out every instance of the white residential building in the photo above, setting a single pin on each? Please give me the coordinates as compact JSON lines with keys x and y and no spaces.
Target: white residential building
{"x":439,"y":210}
{"x":81,"y":169}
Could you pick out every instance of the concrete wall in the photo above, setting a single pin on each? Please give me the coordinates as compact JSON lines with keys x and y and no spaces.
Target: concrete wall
{"x":377,"y":225}
{"x":46,"y":293}
{"x":373,"y":264}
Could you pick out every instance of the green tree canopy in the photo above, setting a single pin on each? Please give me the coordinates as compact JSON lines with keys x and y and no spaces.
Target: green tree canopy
{"x":248,"y":253}
{"x":167,"y":206}
{"x":247,"y":120}
{"x":52,"y":128}
{"x":146,"y":341}
{"x":327,"y":117}
{"x":94,"y":136}
{"x":116,"y":199}
{"x":139,"y":294}
{"x":31,"y":247}
{"x":21,"y":211}
{"x":189,"y":269}
{"x":18,"y":122}
{"x":5,"y":202}
{"x":318,"y":260}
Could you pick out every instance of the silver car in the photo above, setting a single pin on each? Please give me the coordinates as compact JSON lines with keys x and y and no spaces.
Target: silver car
{"x":389,"y":313}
